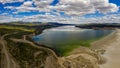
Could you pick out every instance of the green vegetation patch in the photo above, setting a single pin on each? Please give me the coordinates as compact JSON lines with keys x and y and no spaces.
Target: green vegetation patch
{"x":25,"y":54}
{"x":65,"y":49}
{"x":16,"y":28}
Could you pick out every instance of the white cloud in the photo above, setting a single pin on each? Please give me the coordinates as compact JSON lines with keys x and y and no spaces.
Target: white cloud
{"x":25,"y":7}
{"x":73,"y":20}
{"x":10,"y":1}
{"x":4,"y":19}
{"x":74,"y":8}
{"x":81,"y":7}
{"x":104,"y":6}
{"x":42,"y":3}
{"x":70,"y":7}
{"x":113,"y":18}
{"x":27,"y":4}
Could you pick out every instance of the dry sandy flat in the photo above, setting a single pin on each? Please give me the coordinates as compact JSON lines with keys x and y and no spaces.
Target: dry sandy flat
{"x":112,"y":53}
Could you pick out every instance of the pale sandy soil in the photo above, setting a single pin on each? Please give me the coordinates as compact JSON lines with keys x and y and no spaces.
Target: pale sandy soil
{"x":112,"y":54}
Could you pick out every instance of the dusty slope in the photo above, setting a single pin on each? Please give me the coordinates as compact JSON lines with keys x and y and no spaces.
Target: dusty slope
{"x":112,"y":53}
{"x":111,"y":45}
{"x":80,"y":58}
{"x":7,"y":61}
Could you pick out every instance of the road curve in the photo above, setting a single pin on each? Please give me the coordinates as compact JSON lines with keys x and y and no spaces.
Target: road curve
{"x":36,"y":46}
{"x":4,"y":49}
{"x":9,"y":63}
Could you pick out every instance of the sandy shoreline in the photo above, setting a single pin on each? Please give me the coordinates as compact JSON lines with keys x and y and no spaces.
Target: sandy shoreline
{"x":103,"y":43}
{"x":90,"y":58}
{"x":112,"y":46}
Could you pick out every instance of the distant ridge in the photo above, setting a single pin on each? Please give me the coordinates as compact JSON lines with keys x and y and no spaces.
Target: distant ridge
{"x":49,"y":23}
{"x":99,"y":26}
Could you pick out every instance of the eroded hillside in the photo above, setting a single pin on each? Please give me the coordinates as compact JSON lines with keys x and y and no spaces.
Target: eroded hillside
{"x":17,"y":50}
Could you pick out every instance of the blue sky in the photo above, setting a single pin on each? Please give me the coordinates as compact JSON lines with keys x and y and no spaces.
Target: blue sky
{"x":17,"y":4}
{"x":65,"y":11}
{"x":115,"y":1}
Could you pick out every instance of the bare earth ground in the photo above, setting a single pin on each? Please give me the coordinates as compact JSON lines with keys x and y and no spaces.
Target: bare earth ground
{"x":112,"y":47}
{"x":6,"y":56}
{"x":80,"y":58}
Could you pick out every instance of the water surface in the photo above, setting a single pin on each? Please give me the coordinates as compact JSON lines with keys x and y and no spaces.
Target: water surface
{"x":66,"y":38}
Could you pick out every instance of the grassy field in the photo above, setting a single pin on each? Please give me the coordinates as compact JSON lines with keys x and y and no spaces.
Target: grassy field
{"x":16,"y":28}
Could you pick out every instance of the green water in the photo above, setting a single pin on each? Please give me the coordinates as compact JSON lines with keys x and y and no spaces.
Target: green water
{"x":65,"y":39}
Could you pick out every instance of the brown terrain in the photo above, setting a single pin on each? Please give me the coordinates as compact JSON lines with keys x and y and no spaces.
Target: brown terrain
{"x":111,"y":45}
{"x":7,"y":61}
{"x":81,"y":57}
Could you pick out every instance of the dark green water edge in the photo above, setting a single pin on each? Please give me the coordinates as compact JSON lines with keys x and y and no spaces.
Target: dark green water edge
{"x":65,"y":50}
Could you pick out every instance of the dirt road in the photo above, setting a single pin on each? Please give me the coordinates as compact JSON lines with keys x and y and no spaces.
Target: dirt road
{"x":32,"y":44}
{"x":7,"y":59}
